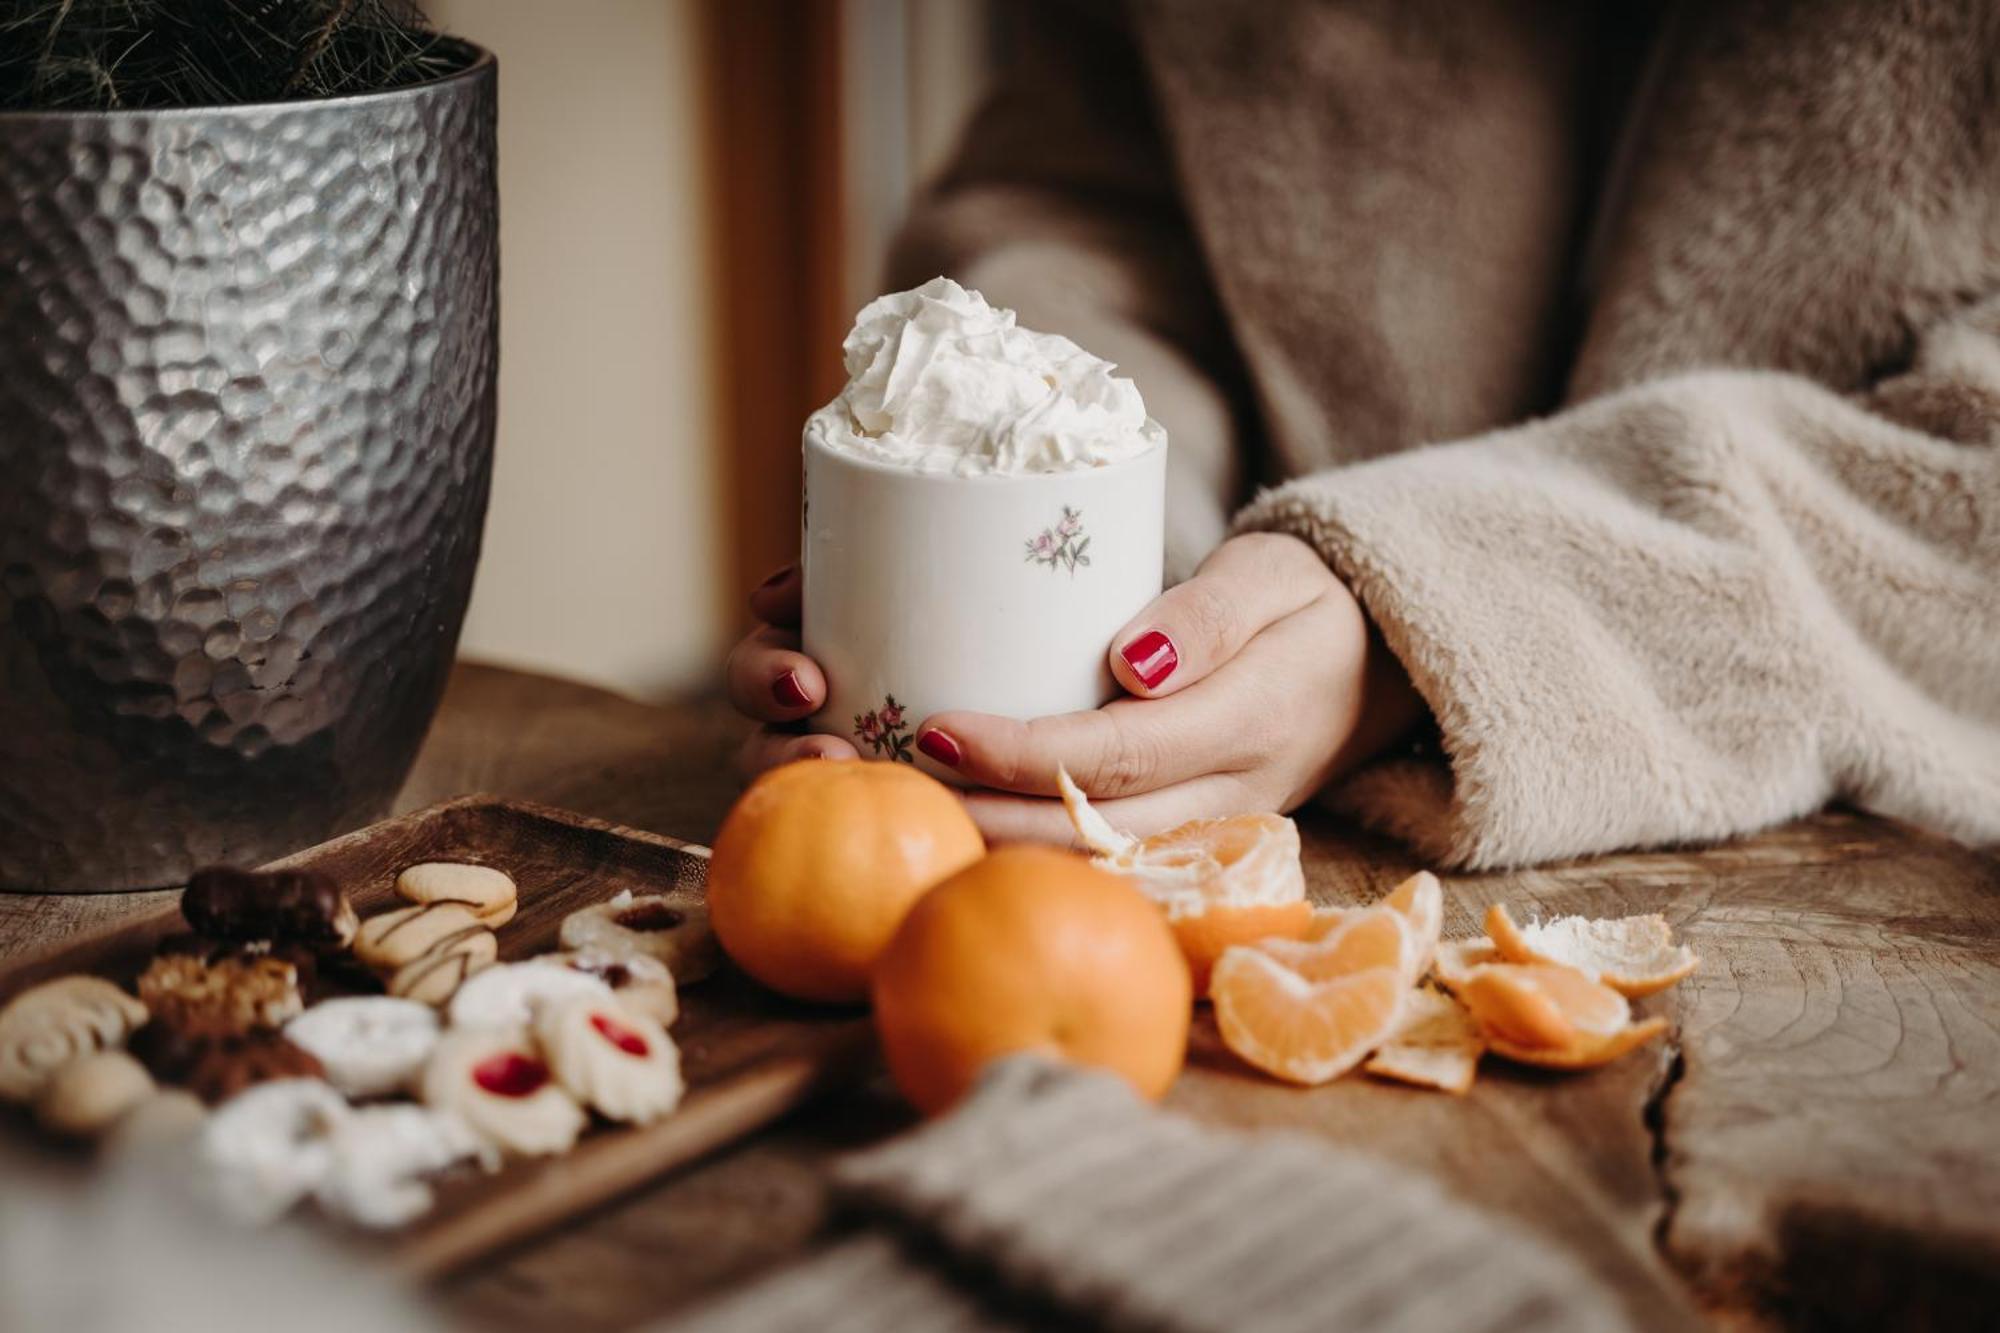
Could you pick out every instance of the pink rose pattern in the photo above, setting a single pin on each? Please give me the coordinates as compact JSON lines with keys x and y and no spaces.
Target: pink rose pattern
{"x":882,"y":731}
{"x":1064,"y":546}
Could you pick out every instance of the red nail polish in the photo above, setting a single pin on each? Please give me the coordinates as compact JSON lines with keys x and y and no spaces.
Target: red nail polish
{"x":941,"y":748}
{"x":789,"y":692}
{"x":1152,"y":657}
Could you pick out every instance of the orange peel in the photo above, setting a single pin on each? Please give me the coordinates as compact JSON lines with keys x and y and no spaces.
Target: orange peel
{"x":1456,"y":960}
{"x":1584,"y":1054}
{"x":1437,"y":1046}
{"x":1633,"y":955}
{"x":1221,"y":882}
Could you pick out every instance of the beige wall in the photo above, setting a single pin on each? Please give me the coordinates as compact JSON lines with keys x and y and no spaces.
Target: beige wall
{"x":601,"y":548}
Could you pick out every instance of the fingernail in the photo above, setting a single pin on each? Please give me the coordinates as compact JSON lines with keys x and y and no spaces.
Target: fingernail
{"x":1152,"y":658}
{"x":941,"y":748}
{"x":789,"y":692}
{"x":779,"y":577}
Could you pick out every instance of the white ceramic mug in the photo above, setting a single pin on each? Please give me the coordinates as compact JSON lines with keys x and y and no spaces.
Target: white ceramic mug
{"x":927,"y":591}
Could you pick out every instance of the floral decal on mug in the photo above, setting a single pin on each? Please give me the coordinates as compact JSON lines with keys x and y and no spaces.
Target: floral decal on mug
{"x":883,"y":731}
{"x":1064,"y":546}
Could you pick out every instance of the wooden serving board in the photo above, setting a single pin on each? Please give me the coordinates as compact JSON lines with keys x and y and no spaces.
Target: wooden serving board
{"x":749,"y":1056}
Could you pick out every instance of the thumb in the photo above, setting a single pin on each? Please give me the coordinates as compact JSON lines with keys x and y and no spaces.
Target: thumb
{"x":1191,"y":629}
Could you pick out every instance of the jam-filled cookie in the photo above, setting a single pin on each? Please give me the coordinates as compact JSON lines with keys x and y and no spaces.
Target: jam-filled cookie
{"x":621,"y":1063}
{"x":642,"y":984}
{"x":671,"y":927}
{"x":488,"y":892}
{"x":44,"y":1028}
{"x":499,"y":1083}
{"x":370,"y":1045}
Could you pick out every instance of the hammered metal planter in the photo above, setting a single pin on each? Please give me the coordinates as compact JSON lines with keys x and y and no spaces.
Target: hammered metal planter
{"x":247,"y":369}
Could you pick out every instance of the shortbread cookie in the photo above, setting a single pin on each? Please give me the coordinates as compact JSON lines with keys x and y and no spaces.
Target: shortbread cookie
{"x":370,"y":1045}
{"x":623,"y":1064}
{"x":270,"y":1147}
{"x":394,"y":938}
{"x":237,"y":993}
{"x":434,"y":978}
{"x":641,"y":984}
{"x":672,"y":927}
{"x":300,"y":906}
{"x":164,"y":1123}
{"x":87,"y":1096}
{"x":488,"y":892}
{"x":507,"y":996}
{"x":44,"y":1028}
{"x":499,"y":1083}
{"x":379,"y":1158}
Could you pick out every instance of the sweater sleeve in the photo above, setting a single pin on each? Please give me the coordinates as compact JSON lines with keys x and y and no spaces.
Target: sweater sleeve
{"x":1687,"y":610}
{"x":1061,"y":204}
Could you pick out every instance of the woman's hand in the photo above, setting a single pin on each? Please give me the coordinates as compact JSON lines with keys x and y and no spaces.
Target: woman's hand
{"x":772,"y":681}
{"x":1256,"y":681}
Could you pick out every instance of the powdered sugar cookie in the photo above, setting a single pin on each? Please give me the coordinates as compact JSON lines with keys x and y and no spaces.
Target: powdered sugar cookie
{"x":379,"y":1156}
{"x":672,"y":927}
{"x":371,"y":1045}
{"x":488,"y":892}
{"x":498,"y":1082}
{"x":44,"y":1028}
{"x":507,"y":996}
{"x":270,"y":1146}
{"x":623,"y":1064}
{"x":641,"y":984}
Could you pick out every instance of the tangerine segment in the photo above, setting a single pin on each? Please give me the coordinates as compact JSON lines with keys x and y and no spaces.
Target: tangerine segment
{"x":1371,"y":937}
{"x":1420,"y":899}
{"x":1541,"y":1005}
{"x":1586,"y":1053}
{"x":1634,"y":955}
{"x":1438,"y":1045}
{"x":1298,"y":1030}
{"x":1031,"y":949}
{"x":1457,"y":960}
{"x":1205,"y":936}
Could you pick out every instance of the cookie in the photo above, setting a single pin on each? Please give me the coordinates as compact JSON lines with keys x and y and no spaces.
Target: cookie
{"x":370,"y":1046}
{"x":394,"y":938}
{"x":379,"y":1157}
{"x":488,"y":892}
{"x":47,"y":1026}
{"x":215,"y":1064}
{"x":672,"y":927}
{"x":641,"y":984}
{"x":268,"y":1148}
{"x":233,"y":993}
{"x":434,"y":978}
{"x":499,"y":1084}
{"x":296,"y":906}
{"x":621,"y":1063}
{"x":161,"y":1124}
{"x":507,"y":996}
{"x":89,"y":1095}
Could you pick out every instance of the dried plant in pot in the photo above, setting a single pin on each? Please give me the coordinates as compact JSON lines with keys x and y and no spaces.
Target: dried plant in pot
{"x":248,"y":319}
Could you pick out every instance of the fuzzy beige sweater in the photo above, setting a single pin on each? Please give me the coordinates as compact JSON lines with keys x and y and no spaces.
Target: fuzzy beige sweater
{"x":1707,"y":296}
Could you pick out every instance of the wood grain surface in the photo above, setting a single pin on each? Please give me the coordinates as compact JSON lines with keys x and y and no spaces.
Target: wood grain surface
{"x":1819,"y":1144}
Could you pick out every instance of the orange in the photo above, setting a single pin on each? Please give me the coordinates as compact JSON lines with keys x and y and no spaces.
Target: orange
{"x":1221,"y":882}
{"x":1539,"y":1005}
{"x":1303,"y":1031}
{"x":1031,"y":949}
{"x":818,"y":863}
{"x":1633,"y":955}
{"x":1361,"y":939}
{"x":1585,"y":1052}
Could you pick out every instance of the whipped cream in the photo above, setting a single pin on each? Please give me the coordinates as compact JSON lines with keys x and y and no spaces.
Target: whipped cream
{"x":940,"y":381}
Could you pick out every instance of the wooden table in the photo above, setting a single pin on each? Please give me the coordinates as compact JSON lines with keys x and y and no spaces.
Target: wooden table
{"x":1819,"y":1143}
